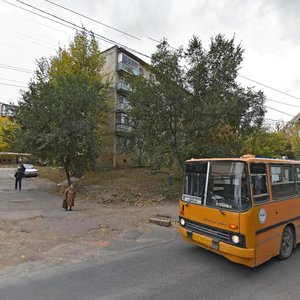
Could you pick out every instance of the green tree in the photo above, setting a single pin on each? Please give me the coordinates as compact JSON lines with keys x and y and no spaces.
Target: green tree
{"x":62,"y":115}
{"x":194,"y":106}
{"x":293,"y":134}
{"x":269,"y":143}
{"x":158,"y":106}
{"x":7,"y":134}
{"x":222,"y":111}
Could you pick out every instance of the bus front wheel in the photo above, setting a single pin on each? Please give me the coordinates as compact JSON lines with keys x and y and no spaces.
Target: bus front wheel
{"x":287,"y":243}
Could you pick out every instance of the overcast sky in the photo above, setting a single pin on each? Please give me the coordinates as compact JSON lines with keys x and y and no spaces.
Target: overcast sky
{"x":267,"y":29}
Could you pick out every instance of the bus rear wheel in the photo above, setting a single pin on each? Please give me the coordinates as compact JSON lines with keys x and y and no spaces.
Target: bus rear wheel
{"x":287,"y":243}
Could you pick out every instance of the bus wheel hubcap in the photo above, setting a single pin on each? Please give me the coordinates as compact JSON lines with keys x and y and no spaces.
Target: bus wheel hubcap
{"x":286,"y":242}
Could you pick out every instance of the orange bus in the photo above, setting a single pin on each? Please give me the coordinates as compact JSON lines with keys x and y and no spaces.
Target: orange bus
{"x":246,"y":209}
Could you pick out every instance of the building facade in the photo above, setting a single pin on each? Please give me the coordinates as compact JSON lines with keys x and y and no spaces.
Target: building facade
{"x":119,"y":61}
{"x":6,"y":110}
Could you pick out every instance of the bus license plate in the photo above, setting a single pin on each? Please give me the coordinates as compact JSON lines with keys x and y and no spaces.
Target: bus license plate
{"x":201,"y":240}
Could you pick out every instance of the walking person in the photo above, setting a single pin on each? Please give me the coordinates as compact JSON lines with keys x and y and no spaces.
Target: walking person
{"x":70,"y":196}
{"x":18,"y":182}
{"x":22,"y":167}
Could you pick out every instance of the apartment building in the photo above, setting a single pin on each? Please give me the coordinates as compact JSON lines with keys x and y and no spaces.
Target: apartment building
{"x":294,"y":121}
{"x":118,"y":62}
{"x":6,"y":110}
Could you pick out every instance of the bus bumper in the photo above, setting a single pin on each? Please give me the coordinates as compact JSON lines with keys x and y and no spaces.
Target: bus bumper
{"x":236,"y":254}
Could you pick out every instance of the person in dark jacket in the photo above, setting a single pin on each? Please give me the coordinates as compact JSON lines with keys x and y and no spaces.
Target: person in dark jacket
{"x":19,"y":175}
{"x":23,"y":169}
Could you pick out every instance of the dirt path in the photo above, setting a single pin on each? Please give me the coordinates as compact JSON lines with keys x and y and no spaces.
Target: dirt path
{"x":37,"y":233}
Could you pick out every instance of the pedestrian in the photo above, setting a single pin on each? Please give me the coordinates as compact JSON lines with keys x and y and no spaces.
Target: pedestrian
{"x":70,"y":196}
{"x":18,"y":176}
{"x":23,"y":169}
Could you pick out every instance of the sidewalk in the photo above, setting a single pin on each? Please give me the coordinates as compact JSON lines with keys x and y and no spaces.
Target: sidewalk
{"x":36,"y":233}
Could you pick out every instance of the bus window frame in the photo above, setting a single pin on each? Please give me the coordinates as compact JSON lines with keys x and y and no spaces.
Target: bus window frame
{"x":249,"y":191}
{"x":285,"y":197}
{"x":268,"y":176}
{"x":208,"y":173}
{"x":297,"y":182}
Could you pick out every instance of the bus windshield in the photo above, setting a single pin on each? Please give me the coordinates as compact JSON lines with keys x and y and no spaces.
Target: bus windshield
{"x":220,"y":184}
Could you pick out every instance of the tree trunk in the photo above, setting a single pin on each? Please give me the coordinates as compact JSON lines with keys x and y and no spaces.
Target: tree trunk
{"x":66,"y":164}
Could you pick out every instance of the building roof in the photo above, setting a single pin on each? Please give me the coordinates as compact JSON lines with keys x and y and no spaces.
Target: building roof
{"x":128,"y":53}
{"x":294,"y":119}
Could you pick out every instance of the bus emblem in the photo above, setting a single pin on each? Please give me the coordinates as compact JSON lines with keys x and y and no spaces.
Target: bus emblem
{"x":262,"y":216}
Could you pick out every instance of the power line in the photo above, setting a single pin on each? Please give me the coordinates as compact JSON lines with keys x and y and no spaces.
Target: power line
{"x":274,"y":120}
{"x":34,"y":40}
{"x":116,"y":43}
{"x":113,"y":42}
{"x":34,"y":13}
{"x":19,"y":86}
{"x":73,"y":27}
{"x":269,"y":87}
{"x":16,"y":68}
{"x":45,"y":25}
{"x":156,"y":41}
{"x":279,"y":111}
{"x":293,"y":105}
{"x":84,"y":16}
{"x":81,"y":28}
{"x":13,"y":80}
{"x":103,"y":38}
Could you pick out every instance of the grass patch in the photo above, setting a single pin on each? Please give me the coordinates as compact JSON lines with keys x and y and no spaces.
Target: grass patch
{"x":54,"y":174}
{"x":137,"y":186}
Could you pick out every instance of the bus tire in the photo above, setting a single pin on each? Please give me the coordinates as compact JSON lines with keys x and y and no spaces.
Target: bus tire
{"x":287,"y":243}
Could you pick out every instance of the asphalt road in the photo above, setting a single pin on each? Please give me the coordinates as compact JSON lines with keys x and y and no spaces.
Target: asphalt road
{"x":167,"y":270}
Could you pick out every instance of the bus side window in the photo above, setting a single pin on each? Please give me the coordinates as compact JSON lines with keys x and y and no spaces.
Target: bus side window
{"x":282,"y":181}
{"x":259,"y":182}
{"x":297,"y":179}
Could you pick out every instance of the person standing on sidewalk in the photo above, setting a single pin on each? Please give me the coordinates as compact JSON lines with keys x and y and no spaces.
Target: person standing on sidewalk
{"x":18,"y":175}
{"x":70,"y":196}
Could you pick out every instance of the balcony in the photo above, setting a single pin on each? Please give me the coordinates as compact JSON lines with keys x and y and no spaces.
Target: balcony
{"x":121,"y":106}
{"x":123,"y":87}
{"x":123,"y":128}
{"x":127,"y":68}
{"x":7,"y":110}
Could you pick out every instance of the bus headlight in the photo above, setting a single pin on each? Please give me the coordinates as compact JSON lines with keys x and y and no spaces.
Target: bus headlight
{"x":235,"y":239}
{"x":182,"y":222}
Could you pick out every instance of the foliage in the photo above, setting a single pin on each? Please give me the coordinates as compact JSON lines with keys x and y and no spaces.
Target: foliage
{"x":62,"y":115}
{"x":295,"y":140}
{"x":8,"y":129}
{"x":194,"y":107}
{"x":157,"y":108}
{"x":269,"y":144}
{"x":169,"y":192}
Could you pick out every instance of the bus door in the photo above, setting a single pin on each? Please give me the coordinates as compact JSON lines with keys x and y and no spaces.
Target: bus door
{"x":267,"y":239}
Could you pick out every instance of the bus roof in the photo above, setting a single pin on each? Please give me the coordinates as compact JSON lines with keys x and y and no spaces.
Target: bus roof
{"x":248,"y":158}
